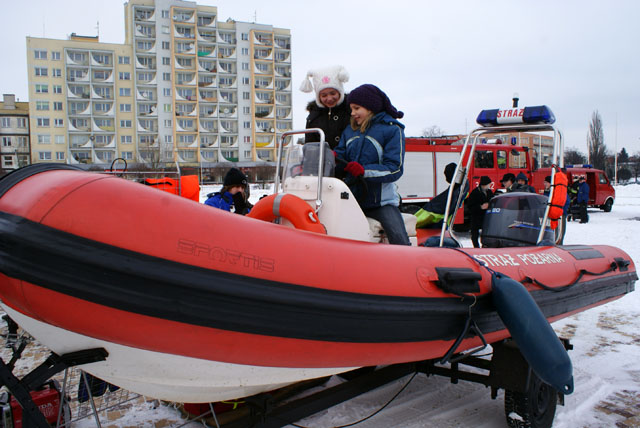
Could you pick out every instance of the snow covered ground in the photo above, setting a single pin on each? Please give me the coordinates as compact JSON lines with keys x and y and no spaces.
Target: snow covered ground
{"x":606,"y":351}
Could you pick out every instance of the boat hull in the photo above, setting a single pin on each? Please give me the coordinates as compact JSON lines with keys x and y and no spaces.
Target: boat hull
{"x":235,"y":306}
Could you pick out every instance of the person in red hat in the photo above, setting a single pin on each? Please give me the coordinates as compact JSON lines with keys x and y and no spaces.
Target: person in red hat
{"x":371,"y":157}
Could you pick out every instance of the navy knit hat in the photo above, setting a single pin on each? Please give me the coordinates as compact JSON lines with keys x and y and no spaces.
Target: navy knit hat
{"x":235,"y":177}
{"x":521,"y":176}
{"x":372,"y":98}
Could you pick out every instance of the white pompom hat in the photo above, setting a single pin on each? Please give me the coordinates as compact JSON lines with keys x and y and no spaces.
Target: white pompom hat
{"x":322,"y":78}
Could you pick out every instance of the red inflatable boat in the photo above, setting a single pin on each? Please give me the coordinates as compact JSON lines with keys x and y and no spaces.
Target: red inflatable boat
{"x":195,"y":304}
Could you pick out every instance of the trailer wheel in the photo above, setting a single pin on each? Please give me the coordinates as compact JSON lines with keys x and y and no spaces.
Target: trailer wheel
{"x":534,"y":408}
{"x":607,"y":206}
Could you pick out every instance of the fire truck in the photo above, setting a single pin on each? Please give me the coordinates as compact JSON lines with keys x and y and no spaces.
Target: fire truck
{"x":426,"y":158}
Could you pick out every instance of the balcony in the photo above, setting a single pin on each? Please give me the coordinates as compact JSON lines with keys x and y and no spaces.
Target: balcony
{"x":206,"y":36}
{"x":210,"y":126}
{"x":264,"y":39}
{"x":228,"y":38}
{"x":183,"y":32}
{"x":186,"y":79}
{"x":283,"y":42}
{"x":210,"y":96}
{"x":148,"y":31}
{"x":263,"y":53}
{"x":228,"y":112}
{"x":206,"y":20}
{"x":77,"y":58}
{"x":207,"y":52}
{"x":187,"y":16}
{"x":208,"y":140}
{"x":208,"y":110}
{"x":101,"y":60}
{"x":144,"y":15}
{"x":283,"y":71}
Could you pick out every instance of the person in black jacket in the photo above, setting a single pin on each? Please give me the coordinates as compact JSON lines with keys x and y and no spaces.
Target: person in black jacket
{"x":330,"y":110}
{"x":478,"y":202}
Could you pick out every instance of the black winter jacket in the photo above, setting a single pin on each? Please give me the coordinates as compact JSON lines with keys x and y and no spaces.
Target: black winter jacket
{"x":331,"y":120}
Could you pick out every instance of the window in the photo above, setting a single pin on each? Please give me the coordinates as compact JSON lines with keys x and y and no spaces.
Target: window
{"x":245,"y":65}
{"x":6,"y":122}
{"x":56,"y":72}
{"x":125,"y":92}
{"x":44,"y":139}
{"x":246,"y":125}
{"x":40,"y":54}
{"x":168,"y":138}
{"x":166,"y":45}
{"x":22,"y":122}
{"x":166,"y":60}
{"x":57,"y":89}
{"x":245,"y":51}
{"x":44,"y":156}
{"x":167,"y":123}
{"x":43,"y":122}
{"x":166,"y":92}
{"x":167,"y":108}
{"x":102,"y":107}
{"x":247,"y":153}
{"x":126,"y":139}
{"x":124,"y":75}
{"x":6,"y":141}
{"x":125,"y":124}
{"x":144,"y":46}
{"x":166,"y":77}
{"x":42,"y":105}
{"x":41,"y":71}
{"x":245,"y":80}
{"x":124,"y":60}
{"x":42,"y":89}
{"x":59,"y":155}
{"x":165,"y":13}
{"x":125,"y":107}
{"x":246,"y":110}
{"x":57,"y":106}
{"x":58,"y":123}
{"x":55,"y":56}
{"x":59,"y":139}
{"x":127,"y":155}
{"x":244,"y":36}
{"x":246,"y":95}
{"x":165,"y":29}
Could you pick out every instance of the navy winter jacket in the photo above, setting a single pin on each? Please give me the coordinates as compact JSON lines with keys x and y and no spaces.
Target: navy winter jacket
{"x":583,"y":193}
{"x":380,"y":150}
{"x":219,"y":200}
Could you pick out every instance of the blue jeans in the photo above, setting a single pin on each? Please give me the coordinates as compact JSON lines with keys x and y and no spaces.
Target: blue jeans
{"x":392,"y":223}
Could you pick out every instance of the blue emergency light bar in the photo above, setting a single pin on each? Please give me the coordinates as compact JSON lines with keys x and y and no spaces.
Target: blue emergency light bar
{"x":585,"y":165}
{"x":531,"y":115}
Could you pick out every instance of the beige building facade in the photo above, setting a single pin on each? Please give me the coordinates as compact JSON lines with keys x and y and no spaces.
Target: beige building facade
{"x":14,"y":134}
{"x":183,"y":88}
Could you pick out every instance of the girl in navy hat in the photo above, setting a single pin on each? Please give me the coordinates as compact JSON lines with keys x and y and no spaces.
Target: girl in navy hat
{"x":371,"y":155}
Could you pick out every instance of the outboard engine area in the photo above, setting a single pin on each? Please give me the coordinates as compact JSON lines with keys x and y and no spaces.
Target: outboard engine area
{"x":514,"y":220}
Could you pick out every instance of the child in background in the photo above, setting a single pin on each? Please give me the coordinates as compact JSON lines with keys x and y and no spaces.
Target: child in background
{"x":232,"y":194}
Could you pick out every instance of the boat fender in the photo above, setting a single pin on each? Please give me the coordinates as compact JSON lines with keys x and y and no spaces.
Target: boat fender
{"x":532,"y":332}
{"x":291,"y":207}
{"x":556,"y":209}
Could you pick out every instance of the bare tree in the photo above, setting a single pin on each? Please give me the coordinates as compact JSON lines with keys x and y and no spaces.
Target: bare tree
{"x":433,"y":131}
{"x":574,"y":157}
{"x":595,"y":142}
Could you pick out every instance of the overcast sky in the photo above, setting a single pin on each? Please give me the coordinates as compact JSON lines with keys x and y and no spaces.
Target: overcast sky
{"x":439,"y":62}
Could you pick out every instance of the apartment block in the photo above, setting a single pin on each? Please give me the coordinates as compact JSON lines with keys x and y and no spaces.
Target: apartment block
{"x":14,"y":133}
{"x":182,"y":88}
